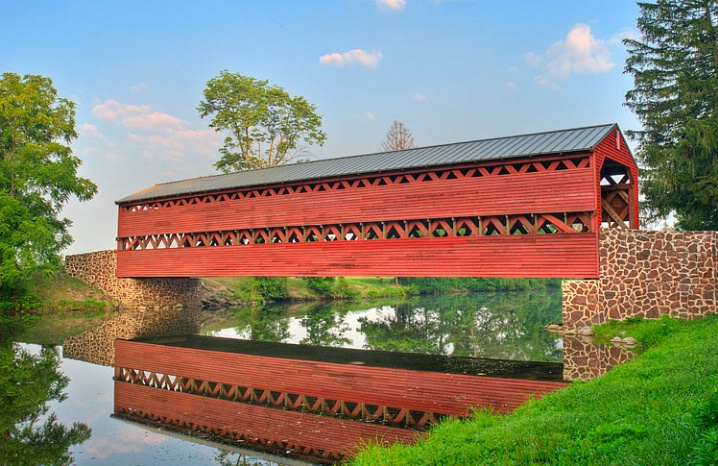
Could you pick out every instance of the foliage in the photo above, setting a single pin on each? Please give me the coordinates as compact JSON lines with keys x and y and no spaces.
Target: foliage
{"x":398,"y":137}
{"x":38,"y":174}
{"x":323,"y":286}
{"x":325,"y":327}
{"x":657,"y":409}
{"x":266,"y":125}
{"x":28,"y":434}
{"x":264,"y":323}
{"x":490,"y":325}
{"x":675,"y":69}
{"x":435,"y":285}
{"x":343,"y":290}
{"x":263,"y":289}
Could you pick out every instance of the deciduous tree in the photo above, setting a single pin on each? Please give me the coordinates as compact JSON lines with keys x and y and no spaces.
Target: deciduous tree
{"x":675,"y":69}
{"x":265,"y":126}
{"x":29,"y":433}
{"x":38,"y":174}
{"x":397,"y":138}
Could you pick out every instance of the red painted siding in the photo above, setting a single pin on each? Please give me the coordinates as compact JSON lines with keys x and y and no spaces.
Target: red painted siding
{"x":156,"y":238}
{"x":303,"y":434}
{"x":416,"y":390}
{"x":557,"y":191}
{"x":556,"y":255}
{"x":609,"y":149}
{"x":278,"y":423}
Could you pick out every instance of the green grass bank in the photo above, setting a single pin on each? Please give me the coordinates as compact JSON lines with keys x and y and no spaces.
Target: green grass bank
{"x":660,"y":409}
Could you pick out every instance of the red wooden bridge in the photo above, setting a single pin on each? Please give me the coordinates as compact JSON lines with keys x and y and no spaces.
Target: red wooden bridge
{"x":520,"y":206}
{"x":311,"y":402}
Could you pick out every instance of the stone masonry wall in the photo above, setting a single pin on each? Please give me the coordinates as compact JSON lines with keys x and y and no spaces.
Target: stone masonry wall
{"x":646,"y":274}
{"x":99,"y":269}
{"x":97,"y":345}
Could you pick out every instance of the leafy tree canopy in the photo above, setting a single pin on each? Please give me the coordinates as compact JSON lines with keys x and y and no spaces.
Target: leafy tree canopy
{"x":265,"y":125}
{"x":38,"y":174}
{"x":29,"y":434}
{"x":398,"y":137}
{"x":675,"y":68}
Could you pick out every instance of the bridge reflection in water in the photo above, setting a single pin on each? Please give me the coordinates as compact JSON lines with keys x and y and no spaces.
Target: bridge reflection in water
{"x":308,"y":402}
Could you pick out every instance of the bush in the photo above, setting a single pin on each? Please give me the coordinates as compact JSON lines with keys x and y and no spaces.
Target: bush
{"x":271,"y":288}
{"x":322,"y":286}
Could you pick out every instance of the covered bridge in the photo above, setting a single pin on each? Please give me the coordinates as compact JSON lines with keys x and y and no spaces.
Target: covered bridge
{"x":518,"y":206}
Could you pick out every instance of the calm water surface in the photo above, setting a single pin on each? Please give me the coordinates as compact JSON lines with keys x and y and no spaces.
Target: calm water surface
{"x":486,"y":325}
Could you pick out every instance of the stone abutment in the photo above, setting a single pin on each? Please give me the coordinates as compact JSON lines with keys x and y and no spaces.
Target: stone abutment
{"x":646,"y":274}
{"x":99,"y":269}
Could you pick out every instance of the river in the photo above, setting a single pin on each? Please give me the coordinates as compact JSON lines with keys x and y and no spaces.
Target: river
{"x":503,"y":326}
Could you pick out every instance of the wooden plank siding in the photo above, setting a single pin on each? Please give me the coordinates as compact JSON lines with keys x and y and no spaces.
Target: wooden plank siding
{"x":558,"y":191}
{"x":436,"y":392}
{"x":537,"y":256}
{"x":525,"y":217}
{"x":376,"y":402}
{"x":305,"y":435}
{"x":614,"y":147}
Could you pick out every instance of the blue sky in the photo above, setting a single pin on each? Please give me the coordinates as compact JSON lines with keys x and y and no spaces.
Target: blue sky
{"x":449,"y":70}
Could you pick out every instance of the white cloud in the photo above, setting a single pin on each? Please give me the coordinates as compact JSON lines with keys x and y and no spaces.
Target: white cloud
{"x":392,"y":4}
{"x":355,"y":56}
{"x":510,"y":85}
{"x":369,"y":115}
{"x":578,"y":53}
{"x":419,"y":96}
{"x":92,"y":131}
{"x":112,"y":111}
{"x":158,"y":134}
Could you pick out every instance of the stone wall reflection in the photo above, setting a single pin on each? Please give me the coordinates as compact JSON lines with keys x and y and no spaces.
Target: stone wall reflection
{"x":583,"y":359}
{"x":97,"y":346}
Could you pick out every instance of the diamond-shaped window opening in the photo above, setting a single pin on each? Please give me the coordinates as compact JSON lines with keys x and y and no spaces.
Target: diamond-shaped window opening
{"x":467,"y":227}
{"x":294,"y":235}
{"x":351,"y":233}
{"x":546,"y":227}
{"x":579,"y":224}
{"x":440,"y":228}
{"x":244,"y":238}
{"x":518,"y":228}
{"x":331,"y":233}
{"x":394,"y":230}
{"x":174,"y":242}
{"x":230,"y":239}
{"x":418,"y":229}
{"x":277,"y":236}
{"x":490,"y":228}
{"x":312,"y":234}
{"x":372,"y":231}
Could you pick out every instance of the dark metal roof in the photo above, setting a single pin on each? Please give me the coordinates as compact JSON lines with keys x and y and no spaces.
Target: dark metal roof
{"x":552,"y":142}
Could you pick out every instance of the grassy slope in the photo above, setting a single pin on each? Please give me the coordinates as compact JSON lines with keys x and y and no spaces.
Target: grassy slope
{"x":660,"y":409}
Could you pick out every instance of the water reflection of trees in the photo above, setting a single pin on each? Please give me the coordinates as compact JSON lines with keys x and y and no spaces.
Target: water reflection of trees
{"x":265,"y":323}
{"x":505,"y":325}
{"x":29,"y":433}
{"x":494,"y":325}
{"x":325,"y":326}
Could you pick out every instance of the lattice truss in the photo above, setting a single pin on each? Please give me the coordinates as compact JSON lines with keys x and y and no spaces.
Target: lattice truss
{"x":569,"y":222}
{"x":616,"y":200}
{"x":515,"y":224}
{"x":355,"y":410}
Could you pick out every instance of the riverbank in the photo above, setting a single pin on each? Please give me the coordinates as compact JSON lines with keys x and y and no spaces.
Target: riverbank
{"x":662,"y":408}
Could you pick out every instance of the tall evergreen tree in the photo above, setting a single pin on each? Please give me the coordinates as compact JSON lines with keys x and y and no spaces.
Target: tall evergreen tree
{"x":675,"y":68}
